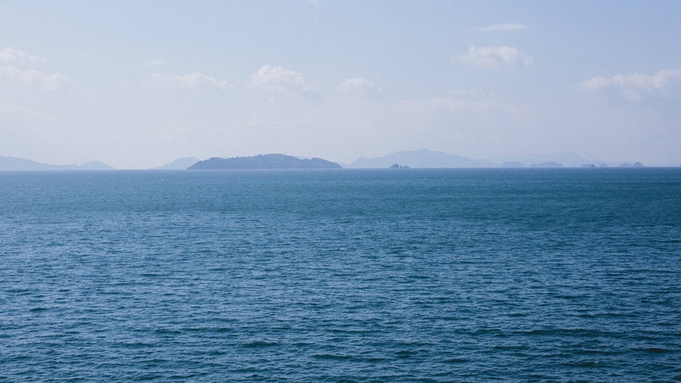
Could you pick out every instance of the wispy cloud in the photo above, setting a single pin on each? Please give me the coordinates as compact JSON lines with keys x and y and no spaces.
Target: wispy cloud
{"x":635,"y":86}
{"x":494,"y":57}
{"x":192,"y":80}
{"x":11,"y":54}
{"x":360,"y":86}
{"x":280,"y":78}
{"x":503,"y":27}
{"x":34,"y":77}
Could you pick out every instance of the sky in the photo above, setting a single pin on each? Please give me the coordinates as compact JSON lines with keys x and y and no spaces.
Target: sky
{"x":137,"y":84}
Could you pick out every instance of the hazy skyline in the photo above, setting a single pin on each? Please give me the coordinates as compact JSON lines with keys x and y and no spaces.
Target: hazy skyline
{"x":139,"y":84}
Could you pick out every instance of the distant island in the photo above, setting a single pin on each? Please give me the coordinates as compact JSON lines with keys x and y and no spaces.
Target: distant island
{"x":265,"y":161}
{"x":421,"y":159}
{"x":21,"y":164}
{"x":405,"y":159}
{"x":179,"y":164}
{"x":549,"y":164}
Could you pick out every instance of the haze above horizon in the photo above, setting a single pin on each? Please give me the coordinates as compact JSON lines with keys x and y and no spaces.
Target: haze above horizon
{"x":136,"y":84}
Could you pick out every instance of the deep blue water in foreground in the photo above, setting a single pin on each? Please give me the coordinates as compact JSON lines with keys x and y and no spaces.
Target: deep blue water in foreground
{"x":341,"y":276}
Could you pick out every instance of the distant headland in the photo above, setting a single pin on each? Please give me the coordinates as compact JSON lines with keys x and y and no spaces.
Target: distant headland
{"x":265,"y":161}
{"x":180,"y":163}
{"x":404,"y":159}
{"x":21,"y":164}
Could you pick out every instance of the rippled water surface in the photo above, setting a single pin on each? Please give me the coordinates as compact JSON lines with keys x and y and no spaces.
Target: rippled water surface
{"x":341,"y":276}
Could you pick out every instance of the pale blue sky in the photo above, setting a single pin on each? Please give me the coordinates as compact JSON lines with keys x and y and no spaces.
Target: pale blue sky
{"x":137,"y":84}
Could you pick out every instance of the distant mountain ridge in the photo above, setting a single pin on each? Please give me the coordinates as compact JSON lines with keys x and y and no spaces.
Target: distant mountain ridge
{"x":432,"y":159}
{"x":180,"y":163}
{"x":421,"y":159}
{"x":548,"y":164}
{"x":21,"y":164}
{"x":537,"y":160}
{"x":265,"y":161}
{"x":95,"y":165}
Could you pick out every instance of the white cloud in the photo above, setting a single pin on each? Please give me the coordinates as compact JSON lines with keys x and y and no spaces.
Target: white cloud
{"x":11,"y":54}
{"x":503,"y":27}
{"x":635,"y":86}
{"x":33,"y":77}
{"x":494,"y":57}
{"x":360,"y":86}
{"x":282,"y":79}
{"x":152,"y":62}
{"x":192,"y":80}
{"x":28,"y":76}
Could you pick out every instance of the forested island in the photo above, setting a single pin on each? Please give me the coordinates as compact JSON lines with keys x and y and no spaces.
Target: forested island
{"x":265,"y":161}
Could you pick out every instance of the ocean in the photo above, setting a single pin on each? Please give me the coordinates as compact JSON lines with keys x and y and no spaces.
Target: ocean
{"x":410,"y":275}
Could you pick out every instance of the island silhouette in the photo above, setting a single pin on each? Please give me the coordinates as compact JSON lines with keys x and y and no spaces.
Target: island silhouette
{"x":265,"y":161}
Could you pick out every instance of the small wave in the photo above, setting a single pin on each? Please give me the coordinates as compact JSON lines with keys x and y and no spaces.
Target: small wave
{"x":332,"y":356}
{"x":167,"y":331}
{"x":402,"y":354}
{"x":259,"y":343}
{"x":457,"y":360}
{"x":655,"y":350}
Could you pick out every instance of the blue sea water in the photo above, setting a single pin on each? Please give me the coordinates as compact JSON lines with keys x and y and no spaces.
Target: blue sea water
{"x":341,"y":276}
